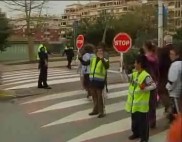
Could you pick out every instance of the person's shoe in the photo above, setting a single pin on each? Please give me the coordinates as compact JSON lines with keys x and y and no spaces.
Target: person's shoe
{"x":101,"y":115}
{"x":133,"y":137}
{"x":143,"y":140}
{"x":93,"y":113}
{"x":153,"y":126}
{"x":40,"y":87}
{"x":47,"y":87}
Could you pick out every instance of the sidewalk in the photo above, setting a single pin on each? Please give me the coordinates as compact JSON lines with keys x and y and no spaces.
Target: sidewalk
{"x":52,"y":64}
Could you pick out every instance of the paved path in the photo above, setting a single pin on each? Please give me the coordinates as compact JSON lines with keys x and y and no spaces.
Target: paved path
{"x":62,"y":116}
{"x":51,"y":64}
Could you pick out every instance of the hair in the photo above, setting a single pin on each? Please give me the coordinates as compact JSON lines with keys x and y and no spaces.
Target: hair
{"x":168,"y":39}
{"x":176,"y":50}
{"x":89,"y":48}
{"x":141,"y":51}
{"x":141,"y":59}
{"x":103,"y":45}
{"x":99,"y":47}
{"x":150,"y":46}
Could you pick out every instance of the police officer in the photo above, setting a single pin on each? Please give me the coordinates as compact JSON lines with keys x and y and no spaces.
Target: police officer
{"x":69,"y":53}
{"x":43,"y":66}
{"x":98,"y":69}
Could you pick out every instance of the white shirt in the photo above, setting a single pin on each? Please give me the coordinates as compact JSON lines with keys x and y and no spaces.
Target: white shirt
{"x":175,"y":76}
{"x":86,"y":57}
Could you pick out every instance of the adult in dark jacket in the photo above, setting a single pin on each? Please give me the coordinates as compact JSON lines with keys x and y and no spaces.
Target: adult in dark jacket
{"x":164,"y":64}
{"x":43,"y":66}
{"x":153,"y":70}
{"x":69,"y":54}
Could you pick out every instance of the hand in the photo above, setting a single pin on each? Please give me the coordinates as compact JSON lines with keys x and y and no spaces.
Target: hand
{"x":142,"y":86}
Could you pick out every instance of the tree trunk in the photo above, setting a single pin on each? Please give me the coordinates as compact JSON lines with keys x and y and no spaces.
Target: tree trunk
{"x":104,"y":34}
{"x":31,"y":48}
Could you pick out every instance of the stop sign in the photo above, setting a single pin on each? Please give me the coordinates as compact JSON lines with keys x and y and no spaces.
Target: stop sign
{"x":79,"y":41}
{"x":122,"y":42}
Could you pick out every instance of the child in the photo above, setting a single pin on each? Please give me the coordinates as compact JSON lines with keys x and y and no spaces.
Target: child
{"x":174,"y":81}
{"x":137,"y":104}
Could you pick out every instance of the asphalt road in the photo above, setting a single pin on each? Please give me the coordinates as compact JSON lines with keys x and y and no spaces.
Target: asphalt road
{"x":61,"y":114}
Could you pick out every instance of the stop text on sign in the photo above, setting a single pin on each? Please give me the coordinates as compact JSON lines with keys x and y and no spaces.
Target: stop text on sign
{"x":79,"y":42}
{"x":122,"y":42}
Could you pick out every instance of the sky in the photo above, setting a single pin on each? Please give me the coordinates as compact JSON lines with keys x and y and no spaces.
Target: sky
{"x":53,"y":7}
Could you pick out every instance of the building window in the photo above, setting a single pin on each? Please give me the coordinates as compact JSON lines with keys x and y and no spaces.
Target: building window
{"x":102,"y":4}
{"x":63,"y":23}
{"x":64,"y":17}
{"x":125,"y":8}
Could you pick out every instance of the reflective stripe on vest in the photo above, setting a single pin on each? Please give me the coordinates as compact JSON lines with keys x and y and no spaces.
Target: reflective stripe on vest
{"x":97,"y":71}
{"x":138,"y":100}
{"x":40,"y":46}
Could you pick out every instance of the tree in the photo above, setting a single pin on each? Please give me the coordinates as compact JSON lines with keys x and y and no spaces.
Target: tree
{"x":28,"y":8}
{"x":140,"y":24}
{"x":4,"y":32}
{"x":97,"y":29}
{"x":178,"y":34}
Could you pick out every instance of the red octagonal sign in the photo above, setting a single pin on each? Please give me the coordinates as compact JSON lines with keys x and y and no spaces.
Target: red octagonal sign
{"x":80,"y":41}
{"x":122,"y":42}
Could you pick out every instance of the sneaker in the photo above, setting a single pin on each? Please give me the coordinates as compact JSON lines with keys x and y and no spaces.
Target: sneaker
{"x":40,"y":87}
{"x":133,"y":137}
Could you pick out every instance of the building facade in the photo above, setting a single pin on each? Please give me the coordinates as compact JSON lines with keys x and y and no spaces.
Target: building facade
{"x":53,"y":28}
{"x":118,"y":7}
{"x":45,"y":27}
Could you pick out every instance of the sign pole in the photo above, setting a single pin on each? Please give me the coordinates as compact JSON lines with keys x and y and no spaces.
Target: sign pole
{"x":121,"y":62}
{"x":77,"y":56}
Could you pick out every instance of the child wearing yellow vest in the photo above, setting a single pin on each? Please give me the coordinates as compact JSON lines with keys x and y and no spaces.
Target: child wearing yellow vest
{"x":137,"y":104}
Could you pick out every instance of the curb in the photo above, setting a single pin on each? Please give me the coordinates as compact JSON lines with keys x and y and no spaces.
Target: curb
{"x":59,"y":66}
{"x":6,"y":95}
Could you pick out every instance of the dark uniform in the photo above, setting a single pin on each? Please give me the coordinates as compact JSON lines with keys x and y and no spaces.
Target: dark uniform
{"x":70,"y":54}
{"x":43,"y":66}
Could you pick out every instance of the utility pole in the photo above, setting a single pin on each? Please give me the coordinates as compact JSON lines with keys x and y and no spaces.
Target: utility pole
{"x":160,"y":23}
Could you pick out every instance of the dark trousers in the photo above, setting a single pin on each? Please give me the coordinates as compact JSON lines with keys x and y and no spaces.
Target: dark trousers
{"x":69,"y":59}
{"x":152,"y":108}
{"x":140,"y":125}
{"x":98,"y":100}
{"x":164,"y":95}
{"x":86,"y":84}
{"x":43,"y":77}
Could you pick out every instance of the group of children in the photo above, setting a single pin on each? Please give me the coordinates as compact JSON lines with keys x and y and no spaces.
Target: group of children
{"x":142,"y":86}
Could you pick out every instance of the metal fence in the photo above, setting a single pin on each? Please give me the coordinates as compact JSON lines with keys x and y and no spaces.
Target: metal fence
{"x":18,"y":52}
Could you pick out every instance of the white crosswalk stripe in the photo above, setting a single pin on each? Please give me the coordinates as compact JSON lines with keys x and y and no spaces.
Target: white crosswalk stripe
{"x":79,"y":110}
{"x":28,"y":78}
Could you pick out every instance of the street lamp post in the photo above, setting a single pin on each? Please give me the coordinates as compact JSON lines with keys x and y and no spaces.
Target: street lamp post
{"x":160,"y":23}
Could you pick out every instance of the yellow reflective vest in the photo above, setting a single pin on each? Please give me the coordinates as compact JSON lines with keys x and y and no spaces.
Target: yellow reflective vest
{"x":40,"y":46}
{"x":97,"y":71}
{"x":138,"y":100}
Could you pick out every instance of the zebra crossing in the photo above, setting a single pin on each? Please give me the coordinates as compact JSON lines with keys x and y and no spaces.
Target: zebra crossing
{"x":28,"y":78}
{"x":64,"y":117}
